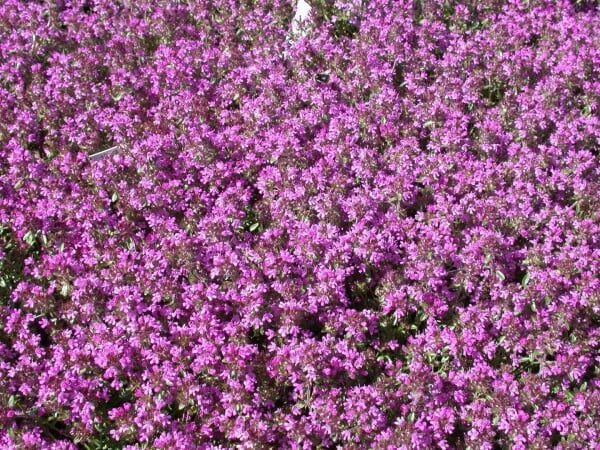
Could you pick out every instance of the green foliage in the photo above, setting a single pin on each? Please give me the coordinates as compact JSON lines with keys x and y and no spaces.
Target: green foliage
{"x":393,"y":329}
{"x":493,"y":91}
{"x":342,"y":21}
{"x":343,"y":27}
{"x":11,"y":264}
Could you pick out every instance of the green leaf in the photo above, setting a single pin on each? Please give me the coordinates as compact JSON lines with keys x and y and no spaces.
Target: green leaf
{"x":29,"y":237}
{"x":64,"y":290}
{"x":114,"y":198}
{"x":525,"y":280}
{"x":254,"y":226}
{"x":385,"y":358}
{"x":500,"y":275}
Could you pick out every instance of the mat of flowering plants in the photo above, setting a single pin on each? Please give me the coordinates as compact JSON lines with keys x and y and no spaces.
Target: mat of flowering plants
{"x":269,"y":224}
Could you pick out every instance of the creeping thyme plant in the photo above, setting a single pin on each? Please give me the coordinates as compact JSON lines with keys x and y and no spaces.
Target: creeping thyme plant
{"x":382,"y":232}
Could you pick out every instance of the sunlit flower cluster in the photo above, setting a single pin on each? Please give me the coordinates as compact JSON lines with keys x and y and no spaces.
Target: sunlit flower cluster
{"x":379,"y":232}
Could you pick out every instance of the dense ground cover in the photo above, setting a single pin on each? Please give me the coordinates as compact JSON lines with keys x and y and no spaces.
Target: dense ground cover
{"x":383,"y":234}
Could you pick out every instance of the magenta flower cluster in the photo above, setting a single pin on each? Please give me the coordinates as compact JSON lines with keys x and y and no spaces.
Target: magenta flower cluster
{"x":383,"y":233}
